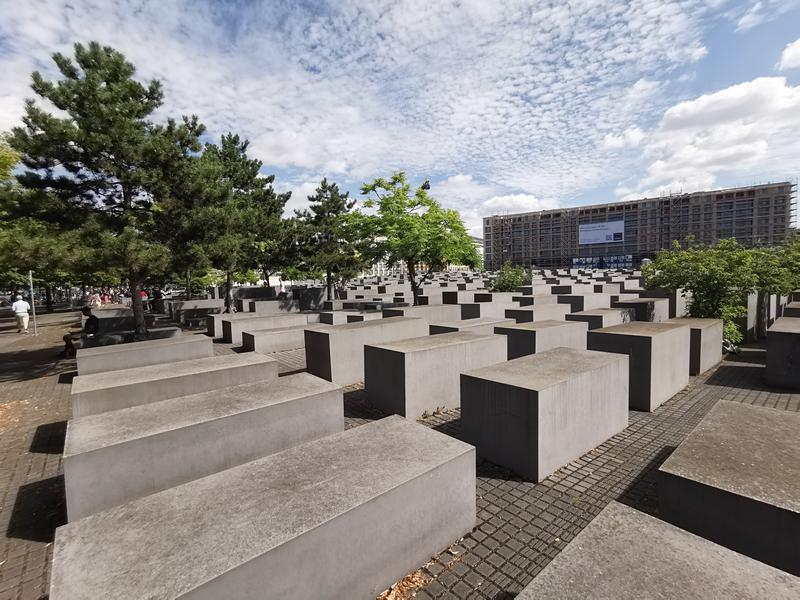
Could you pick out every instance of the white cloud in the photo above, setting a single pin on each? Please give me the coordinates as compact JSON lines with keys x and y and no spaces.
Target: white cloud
{"x":747,"y":131}
{"x":519,"y":95}
{"x":790,"y":57}
{"x":630,"y":138}
{"x":763,"y":11}
{"x":513,"y":203}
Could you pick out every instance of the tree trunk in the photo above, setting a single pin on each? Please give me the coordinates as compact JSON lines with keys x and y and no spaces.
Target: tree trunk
{"x":412,"y":280}
{"x":228,"y":291}
{"x":188,"y":284}
{"x":140,"y":326}
{"x":48,"y":295}
{"x":329,"y":284}
{"x":762,"y":321}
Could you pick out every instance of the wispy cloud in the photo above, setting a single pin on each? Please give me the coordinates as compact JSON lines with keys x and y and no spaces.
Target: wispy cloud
{"x":790,"y":57}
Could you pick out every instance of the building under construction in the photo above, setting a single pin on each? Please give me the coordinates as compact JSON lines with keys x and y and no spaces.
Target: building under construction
{"x":621,"y":234}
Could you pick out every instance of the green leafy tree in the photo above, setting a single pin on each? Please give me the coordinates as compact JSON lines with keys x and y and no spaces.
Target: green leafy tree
{"x":104,"y":158}
{"x":412,"y":228}
{"x":8,"y":159}
{"x":509,"y":278}
{"x":331,"y":240}
{"x":717,"y":279}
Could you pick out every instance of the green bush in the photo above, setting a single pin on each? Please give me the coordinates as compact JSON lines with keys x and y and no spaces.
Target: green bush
{"x":510,"y":278}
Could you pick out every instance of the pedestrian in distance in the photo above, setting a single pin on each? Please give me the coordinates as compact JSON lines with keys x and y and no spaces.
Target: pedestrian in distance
{"x":21,"y":310}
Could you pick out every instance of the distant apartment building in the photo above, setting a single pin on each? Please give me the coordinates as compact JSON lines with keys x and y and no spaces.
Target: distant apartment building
{"x":621,"y":234}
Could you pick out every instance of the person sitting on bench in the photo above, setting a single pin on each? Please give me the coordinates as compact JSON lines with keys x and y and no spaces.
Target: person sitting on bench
{"x":72,"y":341}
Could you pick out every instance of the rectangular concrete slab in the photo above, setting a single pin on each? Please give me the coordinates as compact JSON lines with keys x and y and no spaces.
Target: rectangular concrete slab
{"x":735,"y":480}
{"x":112,"y":390}
{"x":342,"y":517}
{"x":626,"y":554}
{"x":420,"y":375}
{"x":266,"y":341}
{"x":783,"y":353}
{"x":337,"y":353}
{"x":114,"y":457}
{"x":232,"y":327}
{"x":544,"y":312}
{"x":653,"y":310}
{"x":529,"y":338}
{"x":537,"y":413}
{"x":142,"y":354}
{"x":659,"y":358}
{"x":580,"y":302}
{"x":603,"y":317}
{"x":482,"y":326}
{"x":705,"y":349}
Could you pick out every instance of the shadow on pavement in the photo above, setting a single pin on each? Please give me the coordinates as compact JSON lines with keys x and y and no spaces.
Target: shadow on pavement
{"x":40,"y":507}
{"x":49,"y":438}
{"x":642,"y":493}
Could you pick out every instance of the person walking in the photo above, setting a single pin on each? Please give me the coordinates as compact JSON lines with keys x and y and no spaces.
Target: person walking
{"x":21,"y":310}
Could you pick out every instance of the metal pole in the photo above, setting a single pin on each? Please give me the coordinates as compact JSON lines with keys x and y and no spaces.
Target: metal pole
{"x":33,"y":302}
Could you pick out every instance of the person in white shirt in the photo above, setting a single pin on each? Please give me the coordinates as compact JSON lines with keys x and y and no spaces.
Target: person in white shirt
{"x":21,"y":309}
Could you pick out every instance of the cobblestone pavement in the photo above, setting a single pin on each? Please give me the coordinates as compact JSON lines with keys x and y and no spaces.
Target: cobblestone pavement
{"x":521,"y":526}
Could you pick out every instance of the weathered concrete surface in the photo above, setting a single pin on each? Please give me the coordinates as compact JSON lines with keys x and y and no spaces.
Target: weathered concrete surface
{"x":337,"y":353}
{"x":141,"y":354}
{"x":783,"y":353}
{"x":112,"y":390}
{"x":705,"y":349}
{"x":530,"y":338}
{"x":342,"y":517}
{"x":581,"y":302}
{"x":432,"y":314}
{"x":234,"y":325}
{"x":537,"y":413}
{"x":482,"y":326}
{"x":545,"y":312}
{"x":659,"y":358}
{"x":420,"y":375}
{"x":678,"y":304}
{"x":792,"y":309}
{"x":735,"y":480}
{"x":266,"y":341}
{"x":271,"y":306}
{"x":603,"y":317}
{"x":653,"y":310}
{"x":626,"y":554}
{"x":115,"y":457}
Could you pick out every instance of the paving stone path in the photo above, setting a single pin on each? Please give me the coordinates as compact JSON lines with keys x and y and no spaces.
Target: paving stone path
{"x":521,"y":526}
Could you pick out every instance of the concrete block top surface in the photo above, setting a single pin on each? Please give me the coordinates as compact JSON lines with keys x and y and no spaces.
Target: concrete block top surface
{"x":542,"y":325}
{"x":469,"y":323}
{"x":786,"y":325}
{"x":546,"y":369}
{"x":598,"y":311}
{"x":624,"y":554}
{"x":92,"y":432}
{"x":97,"y":381}
{"x":430,"y":342}
{"x":696,"y":323}
{"x":278,"y":330}
{"x":209,"y":526}
{"x":746,"y":450}
{"x":624,"y":298}
{"x":372,"y":323}
{"x":641,"y":328}
{"x":170,"y":341}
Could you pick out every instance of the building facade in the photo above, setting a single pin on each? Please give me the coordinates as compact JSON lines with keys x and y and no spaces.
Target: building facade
{"x":621,"y":234}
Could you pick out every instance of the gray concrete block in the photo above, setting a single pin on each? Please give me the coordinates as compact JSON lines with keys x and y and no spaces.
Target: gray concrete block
{"x":234,"y":325}
{"x":265,"y":341}
{"x":626,"y":554}
{"x":659,"y":358}
{"x":603,"y":317}
{"x":783,"y":353}
{"x":430,"y":314}
{"x":342,"y":517}
{"x":545,"y":312}
{"x":337,"y":353}
{"x":735,"y":480}
{"x":114,"y":457}
{"x":418,"y":375}
{"x":364,"y":315}
{"x":705,"y":349}
{"x":530,"y":338}
{"x":482,"y":326}
{"x":271,"y":306}
{"x":580,"y":302}
{"x":537,"y":413}
{"x":112,"y":390}
{"x":678,"y":305}
{"x":141,"y":354}
{"x":653,"y":310}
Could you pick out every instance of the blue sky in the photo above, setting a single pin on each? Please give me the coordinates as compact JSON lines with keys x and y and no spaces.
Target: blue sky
{"x":505,"y":105}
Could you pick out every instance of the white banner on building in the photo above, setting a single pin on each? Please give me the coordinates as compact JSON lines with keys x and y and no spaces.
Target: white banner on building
{"x":601,"y":233}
